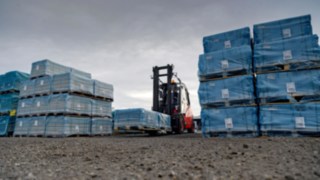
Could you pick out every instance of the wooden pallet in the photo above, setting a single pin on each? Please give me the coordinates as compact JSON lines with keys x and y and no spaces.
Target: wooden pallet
{"x":224,"y":74}
{"x":293,"y":98}
{"x":9,"y":91}
{"x":288,"y":67}
{"x":231,"y":134}
{"x":287,"y":133}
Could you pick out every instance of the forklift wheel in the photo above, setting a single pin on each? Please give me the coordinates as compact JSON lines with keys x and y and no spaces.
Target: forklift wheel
{"x":191,"y":130}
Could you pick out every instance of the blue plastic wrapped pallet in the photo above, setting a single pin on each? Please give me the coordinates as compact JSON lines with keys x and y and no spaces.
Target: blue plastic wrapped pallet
{"x":103,"y":90}
{"x":70,"y":104}
{"x":290,"y":119}
{"x":139,"y":118}
{"x":6,"y":125}
{"x":69,"y":82}
{"x":227,"y":40}
{"x":233,"y":61}
{"x":40,"y":105}
{"x":300,"y":52}
{"x":101,"y":108}
{"x":27,"y":88}
{"x":285,"y":86}
{"x":282,"y":29}
{"x":11,"y":81}
{"x":24,"y":107}
{"x":101,"y":126}
{"x":62,"y":126}
{"x":37,"y":126}
{"x":233,"y":122}
{"x":22,"y":126}
{"x":8,"y":102}
{"x":43,"y":85}
{"x":47,"y":67}
{"x":235,"y":90}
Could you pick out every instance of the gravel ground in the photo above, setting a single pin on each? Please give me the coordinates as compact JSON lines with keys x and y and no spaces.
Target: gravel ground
{"x":165,"y":157}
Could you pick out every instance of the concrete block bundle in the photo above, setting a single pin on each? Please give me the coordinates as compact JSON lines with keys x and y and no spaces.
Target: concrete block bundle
{"x":62,"y":101}
{"x":140,"y":119}
{"x":10,"y":84}
{"x":226,"y":91}
{"x":287,"y":61}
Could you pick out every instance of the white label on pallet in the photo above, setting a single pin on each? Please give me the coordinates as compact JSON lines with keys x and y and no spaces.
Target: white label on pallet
{"x":101,"y":128}
{"x":224,"y":64}
{"x":208,"y":57}
{"x":225,"y":93}
{"x":227,"y":44}
{"x":38,"y":104}
{"x":291,"y":87}
{"x":20,"y":123}
{"x":271,"y":76}
{"x":228,"y":122}
{"x":78,"y":106}
{"x":101,"y":109}
{"x":41,"y":83}
{"x":286,"y":33}
{"x":287,"y":55}
{"x":24,"y":88}
{"x":212,"y":84}
{"x":81,"y":86}
{"x":22,"y":104}
{"x":35,"y":123}
{"x":76,"y":128}
{"x":37,"y":67}
{"x":300,"y":122}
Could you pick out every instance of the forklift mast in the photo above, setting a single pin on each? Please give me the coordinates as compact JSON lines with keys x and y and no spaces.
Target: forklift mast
{"x":162,"y":89}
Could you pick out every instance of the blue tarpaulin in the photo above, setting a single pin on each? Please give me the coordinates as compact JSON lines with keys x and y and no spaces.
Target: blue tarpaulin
{"x":233,"y":59}
{"x":8,"y":102}
{"x":303,"y":50}
{"x":226,"y":40}
{"x":6,"y":125}
{"x":12,"y":81}
{"x":229,"y":89}
{"x":283,"y":85}
{"x":235,"y":119}
{"x":290,"y":117}
{"x":282,"y":29}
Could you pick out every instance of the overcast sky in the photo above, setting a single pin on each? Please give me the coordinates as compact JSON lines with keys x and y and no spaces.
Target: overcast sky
{"x":119,"y":41}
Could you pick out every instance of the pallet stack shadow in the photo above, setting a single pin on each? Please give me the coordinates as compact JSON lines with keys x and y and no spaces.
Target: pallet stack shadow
{"x":139,"y":119}
{"x":59,"y":101}
{"x":226,"y":90}
{"x":287,"y":62}
{"x":9,"y":95}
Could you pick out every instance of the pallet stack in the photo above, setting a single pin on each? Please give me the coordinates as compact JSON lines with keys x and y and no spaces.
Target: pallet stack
{"x":138,"y":119}
{"x":60,"y":101}
{"x":226,"y":91}
{"x":9,"y":95}
{"x":287,"y":62}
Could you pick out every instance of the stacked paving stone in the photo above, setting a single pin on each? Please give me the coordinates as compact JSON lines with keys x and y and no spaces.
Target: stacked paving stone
{"x":287,"y":61}
{"x":226,"y":91}
{"x":60,"y":101}
{"x":9,"y":95}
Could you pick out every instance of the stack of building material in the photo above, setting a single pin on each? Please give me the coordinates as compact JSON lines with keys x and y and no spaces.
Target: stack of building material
{"x":62,"y":101}
{"x":9,"y":95}
{"x":226,"y":91}
{"x":287,"y":61}
{"x":140,"y":119}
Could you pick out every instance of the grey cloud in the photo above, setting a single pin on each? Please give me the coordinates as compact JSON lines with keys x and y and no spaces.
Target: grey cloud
{"x":120,"y":41}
